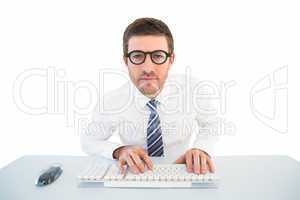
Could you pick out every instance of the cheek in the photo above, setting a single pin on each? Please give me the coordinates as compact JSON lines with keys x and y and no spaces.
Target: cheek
{"x":162,"y":72}
{"x":134,"y":72}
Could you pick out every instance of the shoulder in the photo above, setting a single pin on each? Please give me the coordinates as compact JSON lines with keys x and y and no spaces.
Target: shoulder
{"x":199,"y":94}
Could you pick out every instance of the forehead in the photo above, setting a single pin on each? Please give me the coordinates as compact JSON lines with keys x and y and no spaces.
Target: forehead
{"x":147,"y":43}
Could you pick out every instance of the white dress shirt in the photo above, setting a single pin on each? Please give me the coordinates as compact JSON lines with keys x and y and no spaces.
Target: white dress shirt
{"x":121,"y":118}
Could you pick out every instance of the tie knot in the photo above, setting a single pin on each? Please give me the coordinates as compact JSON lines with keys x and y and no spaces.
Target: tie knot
{"x":152,"y":104}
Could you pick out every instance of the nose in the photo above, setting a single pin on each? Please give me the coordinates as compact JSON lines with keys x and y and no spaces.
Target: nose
{"x":148,"y":64}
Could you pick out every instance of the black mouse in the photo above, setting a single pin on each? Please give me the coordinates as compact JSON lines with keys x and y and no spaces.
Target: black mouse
{"x":49,"y":176}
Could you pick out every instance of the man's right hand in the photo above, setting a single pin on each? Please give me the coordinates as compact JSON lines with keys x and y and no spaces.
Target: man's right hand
{"x":135,"y":157}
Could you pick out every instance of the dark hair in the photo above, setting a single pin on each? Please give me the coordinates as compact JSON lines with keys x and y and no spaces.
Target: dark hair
{"x":147,"y":26}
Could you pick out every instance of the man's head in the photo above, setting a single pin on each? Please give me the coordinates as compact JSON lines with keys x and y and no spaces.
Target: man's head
{"x":148,"y":53}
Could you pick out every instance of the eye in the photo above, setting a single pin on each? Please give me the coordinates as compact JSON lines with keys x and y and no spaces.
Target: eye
{"x":158,"y":56}
{"x":137,"y":56}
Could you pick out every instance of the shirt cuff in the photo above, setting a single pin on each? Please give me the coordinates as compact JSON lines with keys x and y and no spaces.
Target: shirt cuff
{"x":108,"y":153}
{"x":208,"y":149}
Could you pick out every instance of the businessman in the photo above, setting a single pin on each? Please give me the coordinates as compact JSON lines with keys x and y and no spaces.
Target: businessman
{"x":144,"y":115}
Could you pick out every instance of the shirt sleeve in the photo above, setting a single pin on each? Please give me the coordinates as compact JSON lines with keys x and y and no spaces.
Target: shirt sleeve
{"x":206,"y":123}
{"x":97,"y":136}
{"x":205,"y":134}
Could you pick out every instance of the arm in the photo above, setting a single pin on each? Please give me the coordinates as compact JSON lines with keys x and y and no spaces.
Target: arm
{"x":96,"y":137}
{"x":206,"y":132}
{"x":204,"y":136}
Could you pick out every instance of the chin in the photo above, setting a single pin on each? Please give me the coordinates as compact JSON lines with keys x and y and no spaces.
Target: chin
{"x":149,"y":92}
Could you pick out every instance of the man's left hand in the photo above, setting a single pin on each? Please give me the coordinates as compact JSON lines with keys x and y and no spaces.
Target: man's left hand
{"x":196,"y":161}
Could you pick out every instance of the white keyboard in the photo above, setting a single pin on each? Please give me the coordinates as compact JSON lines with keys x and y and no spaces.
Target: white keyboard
{"x":162,"y":176}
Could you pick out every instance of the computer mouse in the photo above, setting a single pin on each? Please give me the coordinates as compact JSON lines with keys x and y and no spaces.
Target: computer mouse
{"x":49,"y":176}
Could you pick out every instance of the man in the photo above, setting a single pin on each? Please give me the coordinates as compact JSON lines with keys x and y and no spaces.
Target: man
{"x":147,"y":124}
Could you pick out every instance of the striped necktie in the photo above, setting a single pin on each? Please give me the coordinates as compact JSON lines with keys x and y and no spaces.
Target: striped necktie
{"x":154,"y":134}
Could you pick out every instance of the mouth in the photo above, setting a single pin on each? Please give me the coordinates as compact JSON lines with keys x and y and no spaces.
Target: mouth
{"x":148,"y":78}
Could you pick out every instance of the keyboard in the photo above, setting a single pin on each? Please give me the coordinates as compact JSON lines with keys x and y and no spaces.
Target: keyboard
{"x":162,"y":176}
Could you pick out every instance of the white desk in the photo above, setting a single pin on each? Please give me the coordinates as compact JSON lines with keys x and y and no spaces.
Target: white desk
{"x":242,"y":177}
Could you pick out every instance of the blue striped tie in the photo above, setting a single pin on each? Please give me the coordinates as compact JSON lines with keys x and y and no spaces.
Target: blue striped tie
{"x":154,"y":134}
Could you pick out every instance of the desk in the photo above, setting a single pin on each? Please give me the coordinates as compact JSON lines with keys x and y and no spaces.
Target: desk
{"x":242,"y":178}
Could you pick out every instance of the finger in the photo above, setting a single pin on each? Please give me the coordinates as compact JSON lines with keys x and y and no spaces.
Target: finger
{"x":211,"y":165}
{"x":138,"y":162}
{"x":180,"y":160}
{"x":196,"y":162}
{"x":121,"y":165}
{"x":147,"y":160}
{"x":203,"y":163}
{"x":131,"y":164}
{"x":189,"y":162}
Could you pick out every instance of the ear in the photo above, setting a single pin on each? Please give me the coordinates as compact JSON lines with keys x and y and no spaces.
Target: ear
{"x":172,"y":58}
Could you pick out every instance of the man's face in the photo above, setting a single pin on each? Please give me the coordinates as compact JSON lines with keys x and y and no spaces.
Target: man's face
{"x":148,"y":77}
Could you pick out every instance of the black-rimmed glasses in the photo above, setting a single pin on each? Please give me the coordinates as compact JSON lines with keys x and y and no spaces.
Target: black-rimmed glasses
{"x":138,"y":57}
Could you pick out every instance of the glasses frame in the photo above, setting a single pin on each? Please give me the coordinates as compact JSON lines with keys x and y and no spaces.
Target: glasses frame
{"x":150,"y":53}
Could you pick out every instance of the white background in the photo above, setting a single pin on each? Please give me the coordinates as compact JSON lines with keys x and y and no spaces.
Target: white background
{"x":220,"y":41}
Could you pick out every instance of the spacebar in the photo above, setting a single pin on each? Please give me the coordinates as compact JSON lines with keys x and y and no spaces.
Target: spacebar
{"x":147,"y":184}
